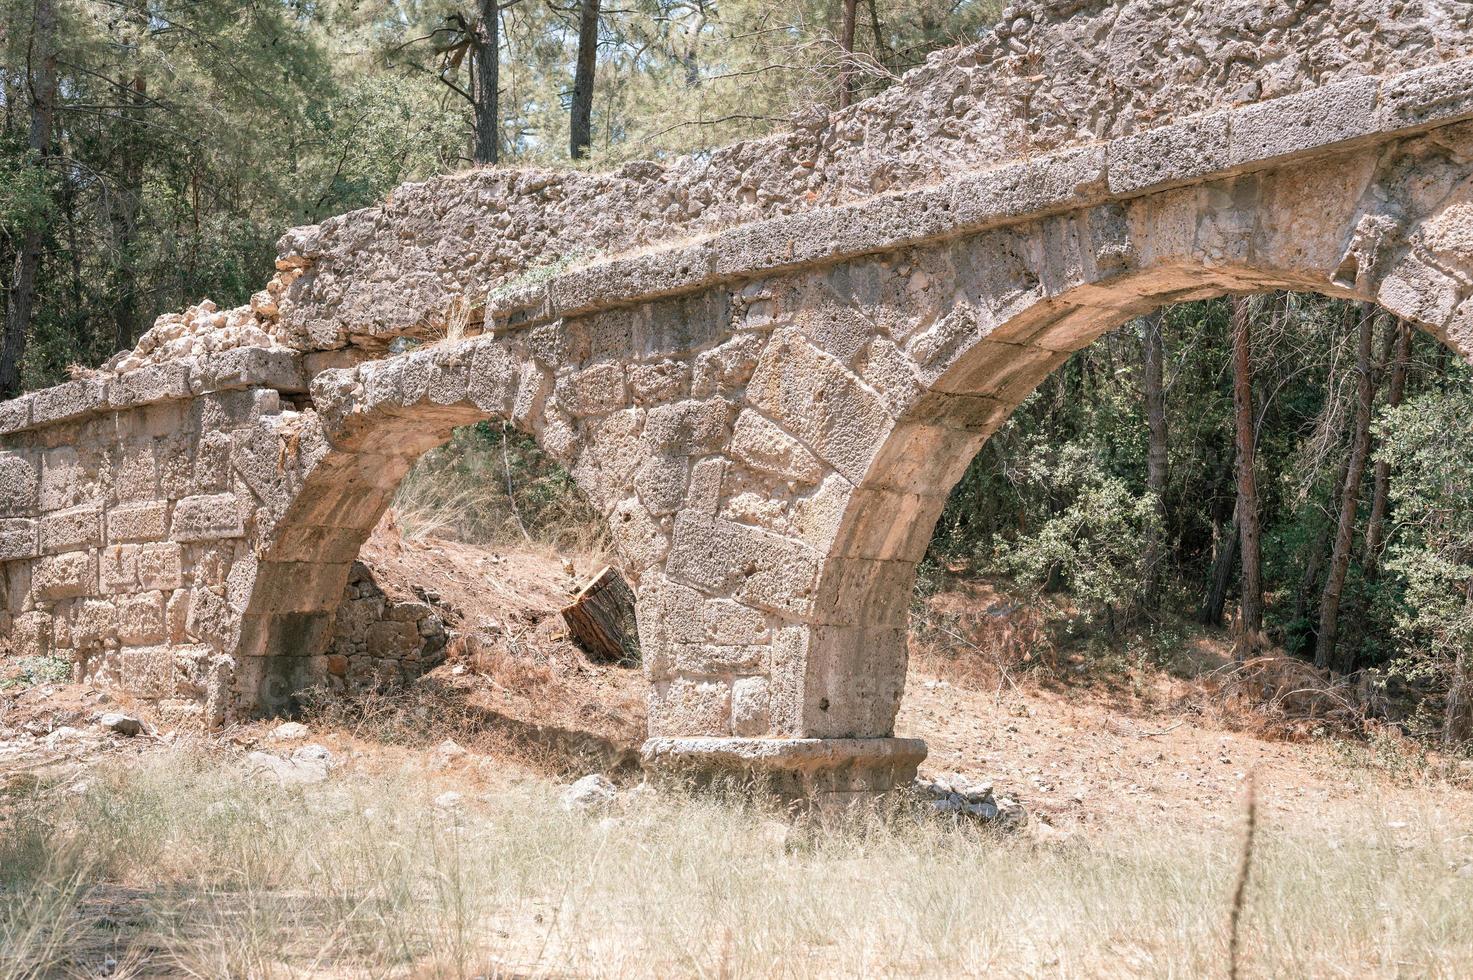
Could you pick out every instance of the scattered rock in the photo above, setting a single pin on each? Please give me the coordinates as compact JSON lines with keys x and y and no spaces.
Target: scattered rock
{"x":589,"y":793}
{"x":290,"y":731}
{"x":961,"y":798}
{"x":307,"y":765}
{"x":66,"y":735}
{"x":447,"y":753}
{"x":121,"y":724}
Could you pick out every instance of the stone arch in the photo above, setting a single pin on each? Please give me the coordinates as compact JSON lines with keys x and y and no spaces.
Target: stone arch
{"x":1394,"y":228}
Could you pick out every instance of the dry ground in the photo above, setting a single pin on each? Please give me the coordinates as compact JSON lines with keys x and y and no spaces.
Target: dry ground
{"x":165,"y":855}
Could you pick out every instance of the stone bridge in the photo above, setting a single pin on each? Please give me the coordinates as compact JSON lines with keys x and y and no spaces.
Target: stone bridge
{"x":766,"y":366}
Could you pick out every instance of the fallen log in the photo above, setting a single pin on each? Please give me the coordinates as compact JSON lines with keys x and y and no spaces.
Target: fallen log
{"x":601,"y":618}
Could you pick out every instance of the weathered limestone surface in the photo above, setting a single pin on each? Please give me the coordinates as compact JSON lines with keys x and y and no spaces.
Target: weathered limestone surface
{"x":770,"y":414}
{"x":379,"y":642}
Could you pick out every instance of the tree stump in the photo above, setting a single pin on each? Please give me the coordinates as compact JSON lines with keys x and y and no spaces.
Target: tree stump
{"x":601,"y":618}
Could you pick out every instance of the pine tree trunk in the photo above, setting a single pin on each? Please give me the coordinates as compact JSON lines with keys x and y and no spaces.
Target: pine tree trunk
{"x":1225,"y":546}
{"x":1248,"y":531}
{"x":1153,"y":354}
{"x":1325,"y":642}
{"x":601,"y":618}
{"x":580,"y":131}
{"x":846,"y":43}
{"x":1457,"y":726}
{"x":21,"y":301}
{"x":1222,"y":576}
{"x":1399,"y":339}
{"x":125,"y":221}
{"x":487,"y":50}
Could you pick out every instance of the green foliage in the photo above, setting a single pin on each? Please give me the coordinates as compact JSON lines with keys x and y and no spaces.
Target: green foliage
{"x":1429,"y":443}
{"x":188,"y":136}
{"x":1095,"y":544}
{"x":31,"y":671}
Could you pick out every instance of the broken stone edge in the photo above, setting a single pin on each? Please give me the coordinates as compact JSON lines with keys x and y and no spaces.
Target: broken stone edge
{"x":231,"y":370}
{"x":1319,"y":122}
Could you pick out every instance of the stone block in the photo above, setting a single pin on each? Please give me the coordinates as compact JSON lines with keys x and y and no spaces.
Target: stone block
{"x":160,"y":565}
{"x":685,"y":706}
{"x":148,"y":672}
{"x":119,"y":569}
{"x":65,"y":576}
{"x":689,"y":428}
{"x":660,"y":483}
{"x":176,"y":616}
{"x":715,"y":659}
{"x":249,"y":367}
{"x":864,"y":592}
{"x":726,"y":622}
{"x":210,"y":617}
{"x":726,"y":368}
{"x":1168,"y":155}
{"x":761,"y":569}
{"x":1416,"y":291}
{"x":816,"y":399}
{"x":1030,"y":186}
{"x":18,"y":539}
{"x":31,"y":635}
{"x":140,"y":619}
{"x":764,"y":446}
{"x":91,"y":622}
{"x":1439,"y":93}
{"x":175,"y":458}
{"x":64,"y":402}
{"x":655,"y":384}
{"x":678,"y":327}
{"x":750,"y":702}
{"x":450,"y":377}
{"x":817,"y":516}
{"x":392,"y":639}
{"x":73,"y":529}
{"x":134,"y":472}
{"x":597,"y":390}
{"x":207,"y":517}
{"x":533,"y":388}
{"x":925,"y":458}
{"x":640,"y":539}
{"x":150,"y":383}
{"x":706,"y":478}
{"x":144,"y":521}
{"x":20,"y":484}
{"x":62,"y":478}
{"x":886,"y":369}
{"x":854,"y":677}
{"x":889,"y":524}
{"x":1319,"y":117}
{"x":1005,"y":372}
{"x":232,"y":409}
{"x":15,"y":414}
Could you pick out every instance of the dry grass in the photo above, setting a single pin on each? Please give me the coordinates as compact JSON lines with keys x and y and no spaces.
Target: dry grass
{"x":497,"y":489}
{"x":183,"y":866}
{"x":976,"y":636}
